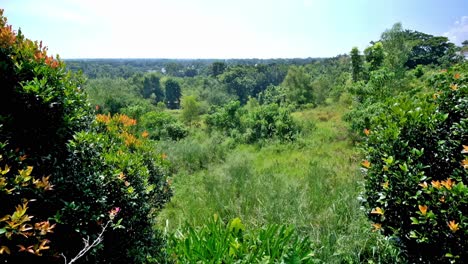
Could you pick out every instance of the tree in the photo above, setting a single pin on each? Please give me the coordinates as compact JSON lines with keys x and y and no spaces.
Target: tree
{"x":375,"y":56}
{"x":190,"y":109}
{"x":356,"y":64}
{"x":298,"y":85}
{"x":151,"y":85}
{"x":173,"y":94}
{"x":427,"y":49}
{"x":217,"y":68}
{"x":465,"y":43}
{"x":173,"y":69}
{"x":397,"y":49}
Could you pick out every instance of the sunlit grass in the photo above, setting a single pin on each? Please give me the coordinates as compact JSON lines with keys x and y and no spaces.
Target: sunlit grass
{"x":312,"y":184}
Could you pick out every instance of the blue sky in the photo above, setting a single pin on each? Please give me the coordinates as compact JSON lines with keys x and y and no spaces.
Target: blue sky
{"x":225,"y":29}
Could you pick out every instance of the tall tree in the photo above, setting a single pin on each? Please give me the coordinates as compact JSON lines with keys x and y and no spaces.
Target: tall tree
{"x":151,"y":85}
{"x":173,"y":94}
{"x":356,"y":64}
{"x":397,"y":49}
{"x":427,"y":49}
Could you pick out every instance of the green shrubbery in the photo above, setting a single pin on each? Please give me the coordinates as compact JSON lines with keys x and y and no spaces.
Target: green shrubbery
{"x":258,"y":123}
{"x":64,"y":176}
{"x":416,"y":171}
{"x":162,"y":125}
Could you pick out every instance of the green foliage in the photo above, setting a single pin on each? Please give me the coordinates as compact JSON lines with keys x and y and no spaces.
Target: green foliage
{"x":152,"y":88}
{"x":173,"y":94}
{"x":216,"y":242}
{"x":298,"y":86}
{"x":309,"y":183}
{"x":269,"y":121}
{"x":114,"y":95}
{"x":190,"y":109}
{"x":63,"y":176}
{"x":162,"y":125}
{"x":427,"y":49}
{"x":375,"y":56}
{"x":217,"y":68}
{"x":257,"y":123}
{"x":113,"y":167}
{"x":226,"y":119}
{"x":41,"y":106}
{"x":416,"y":171}
{"x":357,"y":64}
{"x":397,"y":49}
{"x":273,"y":95}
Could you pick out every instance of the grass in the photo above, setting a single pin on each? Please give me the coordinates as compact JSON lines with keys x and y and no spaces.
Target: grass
{"x":311,"y":184}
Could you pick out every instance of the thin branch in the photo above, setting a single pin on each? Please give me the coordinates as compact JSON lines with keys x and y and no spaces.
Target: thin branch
{"x":88,"y":246}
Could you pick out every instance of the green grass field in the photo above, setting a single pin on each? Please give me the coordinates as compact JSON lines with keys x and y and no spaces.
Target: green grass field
{"x":312,"y":184}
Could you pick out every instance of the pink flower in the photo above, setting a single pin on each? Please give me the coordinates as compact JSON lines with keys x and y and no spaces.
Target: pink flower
{"x":113,"y":212}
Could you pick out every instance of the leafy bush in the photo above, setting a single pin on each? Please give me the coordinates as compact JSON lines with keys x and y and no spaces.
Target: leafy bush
{"x":161,"y":125}
{"x":217,"y":242}
{"x":63,"y":175}
{"x":251,"y":124}
{"x":111,"y":165}
{"x":268,"y":121}
{"x":416,"y":171}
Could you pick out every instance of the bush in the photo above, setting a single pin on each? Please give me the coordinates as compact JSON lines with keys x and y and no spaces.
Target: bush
{"x":161,"y":125}
{"x":65,"y":176}
{"x":257,"y":123}
{"x":416,"y":171}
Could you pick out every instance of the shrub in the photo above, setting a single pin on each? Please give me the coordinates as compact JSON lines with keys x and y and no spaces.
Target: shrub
{"x":161,"y":125}
{"x":254,"y":123}
{"x":416,"y":171}
{"x":63,"y":175}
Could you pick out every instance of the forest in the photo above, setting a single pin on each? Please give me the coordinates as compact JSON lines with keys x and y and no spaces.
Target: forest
{"x":357,"y":158}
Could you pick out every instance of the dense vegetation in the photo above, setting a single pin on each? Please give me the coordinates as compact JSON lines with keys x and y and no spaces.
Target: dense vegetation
{"x":236,"y":161}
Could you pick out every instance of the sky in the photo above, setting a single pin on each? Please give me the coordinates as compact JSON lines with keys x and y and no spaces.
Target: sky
{"x":226,"y":28}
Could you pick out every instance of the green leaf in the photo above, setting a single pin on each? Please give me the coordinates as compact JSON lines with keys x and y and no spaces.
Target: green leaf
{"x":414,"y":221}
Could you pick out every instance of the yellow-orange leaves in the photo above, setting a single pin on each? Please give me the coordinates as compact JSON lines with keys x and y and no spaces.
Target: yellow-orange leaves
{"x":378,"y":211}
{"x":423,"y":209}
{"x":366,"y":164}
{"x":453,"y":226}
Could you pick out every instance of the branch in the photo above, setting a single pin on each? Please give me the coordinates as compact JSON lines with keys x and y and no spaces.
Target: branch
{"x":87,"y":245}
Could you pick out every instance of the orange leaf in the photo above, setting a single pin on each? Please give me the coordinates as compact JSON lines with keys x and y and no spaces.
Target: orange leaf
{"x":378,"y":211}
{"x":366,"y":131}
{"x":423,"y":209}
{"x":436,"y":184}
{"x":465,"y":149}
{"x":453,"y":226}
{"x":366,"y":164}
{"x":448,"y":183}
{"x":464,"y":163}
{"x":377,"y":226}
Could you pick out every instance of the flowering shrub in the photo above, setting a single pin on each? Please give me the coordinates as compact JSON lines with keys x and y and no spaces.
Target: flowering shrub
{"x":416,"y":171}
{"x":63,"y":171}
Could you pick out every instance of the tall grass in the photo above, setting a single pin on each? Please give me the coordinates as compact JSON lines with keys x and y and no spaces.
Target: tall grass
{"x":312,"y":184}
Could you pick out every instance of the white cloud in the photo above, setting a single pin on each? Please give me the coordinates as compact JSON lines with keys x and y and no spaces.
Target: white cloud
{"x":459,"y":31}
